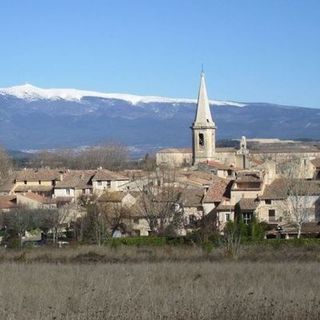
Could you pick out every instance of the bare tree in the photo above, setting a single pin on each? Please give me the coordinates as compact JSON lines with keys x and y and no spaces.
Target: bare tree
{"x":290,"y":168}
{"x":16,"y":223}
{"x":5,"y":165}
{"x":300,"y":202}
{"x":148,"y":163}
{"x":93,"y":224}
{"x":58,"y":219}
{"x":112,"y":156}
{"x":232,"y":236}
{"x":161,"y":202}
{"x":117,"y":215}
{"x":53,"y":159}
{"x":300,"y":195}
{"x":22,"y":219}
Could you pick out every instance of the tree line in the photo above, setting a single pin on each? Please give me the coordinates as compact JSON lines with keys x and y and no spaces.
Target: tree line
{"x":112,"y":156}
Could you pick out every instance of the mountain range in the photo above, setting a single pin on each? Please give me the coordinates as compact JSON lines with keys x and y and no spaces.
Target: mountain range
{"x":35,"y":118}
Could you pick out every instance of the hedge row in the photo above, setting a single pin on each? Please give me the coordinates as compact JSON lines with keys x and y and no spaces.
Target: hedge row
{"x":212,"y":241}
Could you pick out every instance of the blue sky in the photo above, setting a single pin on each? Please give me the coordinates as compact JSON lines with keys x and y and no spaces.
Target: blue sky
{"x":252,"y":50}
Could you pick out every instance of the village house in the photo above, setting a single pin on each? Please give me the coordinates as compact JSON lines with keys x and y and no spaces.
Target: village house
{"x":191,"y":202}
{"x":40,"y":181}
{"x":219,"y":169}
{"x":124,"y":212}
{"x":32,"y":200}
{"x":107,"y":180}
{"x":217,"y":201}
{"x":75,"y":183}
{"x":118,"y":198}
{"x":275,"y":202}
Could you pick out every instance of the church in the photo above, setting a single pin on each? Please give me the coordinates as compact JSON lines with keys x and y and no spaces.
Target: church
{"x":204,"y":148}
{"x":242,"y":182}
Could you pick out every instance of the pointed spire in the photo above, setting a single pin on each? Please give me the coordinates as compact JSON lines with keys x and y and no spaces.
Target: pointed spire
{"x":203,"y":115}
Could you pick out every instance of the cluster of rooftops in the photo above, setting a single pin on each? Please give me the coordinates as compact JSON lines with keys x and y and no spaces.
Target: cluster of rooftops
{"x":212,"y":187}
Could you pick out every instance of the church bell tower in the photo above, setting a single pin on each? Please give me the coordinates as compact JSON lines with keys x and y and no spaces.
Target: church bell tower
{"x":203,"y":128}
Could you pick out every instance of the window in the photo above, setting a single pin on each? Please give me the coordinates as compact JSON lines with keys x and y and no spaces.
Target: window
{"x":272,"y":215}
{"x":68,"y":191}
{"x":99,"y":183}
{"x":227,"y":216}
{"x":268,"y":201}
{"x":192,"y":219}
{"x":136,"y":221}
{"x":201,"y":139}
{"x":39,"y":181}
{"x":247,"y":216}
{"x":25,"y":181}
{"x":108,"y":183}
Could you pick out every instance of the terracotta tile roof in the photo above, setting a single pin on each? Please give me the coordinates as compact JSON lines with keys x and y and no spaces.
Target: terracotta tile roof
{"x":8,"y":202}
{"x":76,"y":179}
{"x":192,"y":197}
{"x":248,"y":204}
{"x":195,"y":178}
{"x":247,"y":176}
{"x":225,"y":207}
{"x":198,"y":181}
{"x":218,"y":190}
{"x":176,"y":150}
{"x":198,"y":174}
{"x":38,"y":198}
{"x":218,"y":165}
{"x":316,"y":162}
{"x":104,"y":174}
{"x":38,"y":174}
{"x":280,"y":188}
{"x":37,"y":188}
{"x":276,"y":190}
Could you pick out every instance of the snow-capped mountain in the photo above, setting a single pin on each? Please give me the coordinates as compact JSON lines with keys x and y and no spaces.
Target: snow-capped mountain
{"x":30,"y":92}
{"x":35,"y":118}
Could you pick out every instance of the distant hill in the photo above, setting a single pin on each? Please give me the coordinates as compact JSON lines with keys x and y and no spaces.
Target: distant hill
{"x":34,"y":118}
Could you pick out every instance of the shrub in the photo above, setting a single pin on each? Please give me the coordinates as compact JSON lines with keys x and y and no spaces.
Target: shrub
{"x":207,"y":247}
{"x":137,"y":241}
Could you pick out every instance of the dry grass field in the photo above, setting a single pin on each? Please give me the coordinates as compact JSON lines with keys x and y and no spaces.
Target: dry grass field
{"x":169,"y":290}
{"x":87,"y":283}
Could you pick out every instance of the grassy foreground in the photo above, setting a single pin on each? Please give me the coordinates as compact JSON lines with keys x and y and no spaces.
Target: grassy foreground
{"x":262,"y":282}
{"x":166,"y":290}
